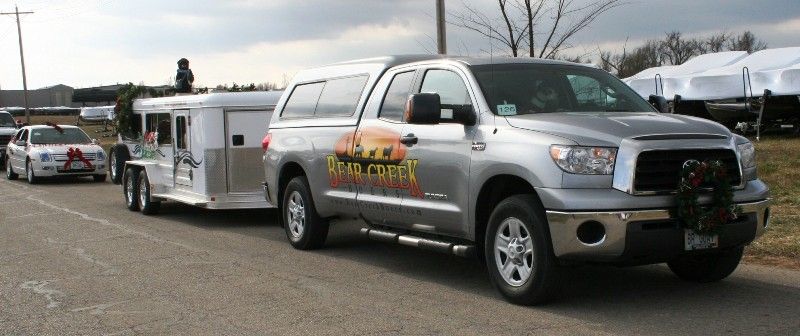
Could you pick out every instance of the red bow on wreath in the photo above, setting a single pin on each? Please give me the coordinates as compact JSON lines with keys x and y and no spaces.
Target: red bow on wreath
{"x":72,"y":155}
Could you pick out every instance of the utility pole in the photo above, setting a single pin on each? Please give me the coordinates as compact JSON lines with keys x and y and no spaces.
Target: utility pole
{"x":441,"y":36}
{"x":22,"y":60}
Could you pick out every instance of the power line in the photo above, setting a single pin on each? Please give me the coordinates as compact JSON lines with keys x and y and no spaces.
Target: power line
{"x":22,"y":60}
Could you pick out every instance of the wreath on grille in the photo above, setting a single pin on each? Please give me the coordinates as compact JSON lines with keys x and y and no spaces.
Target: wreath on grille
{"x":696,"y":176}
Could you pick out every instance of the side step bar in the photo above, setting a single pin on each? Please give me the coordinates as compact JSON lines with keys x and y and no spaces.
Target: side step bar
{"x":423,"y":243}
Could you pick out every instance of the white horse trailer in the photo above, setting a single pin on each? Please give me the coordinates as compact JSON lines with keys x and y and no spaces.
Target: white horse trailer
{"x":202,"y":150}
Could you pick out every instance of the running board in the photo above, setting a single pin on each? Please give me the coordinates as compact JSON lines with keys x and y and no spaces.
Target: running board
{"x":422,"y":243}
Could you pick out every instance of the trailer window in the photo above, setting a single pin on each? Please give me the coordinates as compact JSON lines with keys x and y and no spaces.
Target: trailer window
{"x":340,"y":96}
{"x":303,"y":100}
{"x":158,"y":126}
{"x":180,"y":132}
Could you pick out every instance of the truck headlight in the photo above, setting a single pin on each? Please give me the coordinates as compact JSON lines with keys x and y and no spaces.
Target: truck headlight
{"x":584,"y":160}
{"x":747,"y":154}
{"x":45,"y":157}
{"x":101,"y":155}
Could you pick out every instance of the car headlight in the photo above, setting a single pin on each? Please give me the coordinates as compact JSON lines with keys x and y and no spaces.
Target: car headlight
{"x":747,"y":154}
{"x":584,"y":160}
{"x":101,"y":155}
{"x":45,"y":157}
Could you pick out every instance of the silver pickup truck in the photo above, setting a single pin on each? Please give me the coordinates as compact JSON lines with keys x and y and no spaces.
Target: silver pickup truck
{"x":8,"y":127}
{"x":530,"y":164}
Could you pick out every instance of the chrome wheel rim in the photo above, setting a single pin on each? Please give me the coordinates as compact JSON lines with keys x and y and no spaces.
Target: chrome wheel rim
{"x":296,"y":215}
{"x":8,"y":169}
{"x":129,"y":189}
{"x":113,"y":167}
{"x":29,"y":171}
{"x":142,"y":192}
{"x":513,"y":252}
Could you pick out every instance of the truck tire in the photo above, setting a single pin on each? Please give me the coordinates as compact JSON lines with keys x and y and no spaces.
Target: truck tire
{"x":706,"y":267}
{"x":130,"y":188}
{"x":303,"y":226}
{"x":116,"y":162}
{"x":10,"y":174}
{"x":519,"y":253}
{"x":147,"y":206}
{"x":30,"y":173}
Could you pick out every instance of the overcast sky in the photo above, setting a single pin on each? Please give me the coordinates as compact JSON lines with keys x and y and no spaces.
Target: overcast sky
{"x":84,"y":43}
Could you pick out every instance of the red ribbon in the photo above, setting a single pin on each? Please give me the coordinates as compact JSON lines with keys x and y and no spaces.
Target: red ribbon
{"x":75,"y":153}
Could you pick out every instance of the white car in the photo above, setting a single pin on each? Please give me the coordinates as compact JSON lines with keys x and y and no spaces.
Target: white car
{"x":54,"y":150}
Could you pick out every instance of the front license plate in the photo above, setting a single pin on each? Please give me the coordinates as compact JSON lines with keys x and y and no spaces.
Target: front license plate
{"x":694,"y":241}
{"x":76,"y":165}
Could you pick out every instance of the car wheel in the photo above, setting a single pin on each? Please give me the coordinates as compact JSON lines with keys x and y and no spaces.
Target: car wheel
{"x":100,"y":177}
{"x":10,"y":174}
{"x":32,"y":179}
{"x":518,"y":251}
{"x":116,"y":162}
{"x":303,"y":226}
{"x":147,"y":206}
{"x":131,"y":189}
{"x":706,"y":267}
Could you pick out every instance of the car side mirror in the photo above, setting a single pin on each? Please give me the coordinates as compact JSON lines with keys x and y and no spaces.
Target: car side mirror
{"x":95,"y":142}
{"x":20,"y":143}
{"x":659,"y":102}
{"x":423,"y":108}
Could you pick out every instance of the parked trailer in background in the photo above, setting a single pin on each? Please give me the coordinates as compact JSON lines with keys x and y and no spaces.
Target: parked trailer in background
{"x":203,"y":150}
{"x":96,"y":114}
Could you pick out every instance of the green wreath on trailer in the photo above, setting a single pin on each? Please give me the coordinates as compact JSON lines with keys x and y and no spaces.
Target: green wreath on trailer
{"x":123,"y":111}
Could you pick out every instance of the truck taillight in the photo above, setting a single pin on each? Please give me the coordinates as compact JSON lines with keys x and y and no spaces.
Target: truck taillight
{"x":266,"y":141}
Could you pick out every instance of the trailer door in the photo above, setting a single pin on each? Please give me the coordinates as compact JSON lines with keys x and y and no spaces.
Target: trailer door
{"x":184,"y":160}
{"x":244,"y":130}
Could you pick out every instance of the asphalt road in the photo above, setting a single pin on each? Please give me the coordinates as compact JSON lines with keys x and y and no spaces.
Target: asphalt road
{"x":73,"y":260}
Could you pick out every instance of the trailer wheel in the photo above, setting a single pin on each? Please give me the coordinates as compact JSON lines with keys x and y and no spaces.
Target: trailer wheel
{"x":147,"y":206}
{"x":116,"y":162}
{"x":303,"y":226}
{"x":518,"y":251}
{"x":131,"y":188}
{"x":706,"y":267}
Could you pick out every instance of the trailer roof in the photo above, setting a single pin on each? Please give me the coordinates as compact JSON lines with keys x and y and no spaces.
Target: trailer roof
{"x":224,"y":99}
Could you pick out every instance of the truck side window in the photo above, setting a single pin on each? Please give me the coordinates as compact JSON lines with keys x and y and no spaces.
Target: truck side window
{"x":180,"y":132}
{"x":394,"y":103}
{"x":448,"y":85}
{"x":303,"y":100}
{"x":340,"y":96}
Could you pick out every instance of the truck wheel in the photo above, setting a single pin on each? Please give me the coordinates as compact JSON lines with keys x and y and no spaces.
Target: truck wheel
{"x":304,"y":228}
{"x":706,"y":267}
{"x":116,"y":162}
{"x":518,"y":251}
{"x":147,"y":206}
{"x":32,"y":179}
{"x":10,"y":174}
{"x":131,"y":189}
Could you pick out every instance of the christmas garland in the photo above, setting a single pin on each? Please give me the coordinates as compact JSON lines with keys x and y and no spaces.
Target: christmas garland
{"x":123,"y":111}
{"x":696,"y":175}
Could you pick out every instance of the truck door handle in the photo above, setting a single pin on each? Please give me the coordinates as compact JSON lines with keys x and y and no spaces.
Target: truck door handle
{"x":409,"y":139}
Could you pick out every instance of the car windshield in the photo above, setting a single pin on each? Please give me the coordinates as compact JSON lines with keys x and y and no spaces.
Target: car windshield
{"x":6,"y":120}
{"x":512,"y":89}
{"x":52,"y":136}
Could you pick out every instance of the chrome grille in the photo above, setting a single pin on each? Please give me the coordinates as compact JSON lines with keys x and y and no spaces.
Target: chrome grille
{"x":659,"y":171}
{"x":65,"y":157}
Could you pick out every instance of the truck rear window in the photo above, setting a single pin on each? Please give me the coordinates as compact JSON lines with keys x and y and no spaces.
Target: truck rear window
{"x":332,"y":98}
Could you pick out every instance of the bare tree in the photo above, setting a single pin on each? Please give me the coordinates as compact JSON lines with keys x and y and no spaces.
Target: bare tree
{"x":628,"y":64}
{"x":716,"y":42}
{"x":560,"y":21}
{"x":747,"y":41}
{"x":677,"y":50}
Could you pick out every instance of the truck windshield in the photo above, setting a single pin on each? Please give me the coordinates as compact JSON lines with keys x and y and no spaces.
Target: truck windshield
{"x":512,"y":89}
{"x":52,"y":136}
{"x":6,"y":120}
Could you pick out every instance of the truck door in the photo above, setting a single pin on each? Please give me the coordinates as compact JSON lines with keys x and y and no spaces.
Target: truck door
{"x":244,"y":130}
{"x":184,"y":160}
{"x":441,"y":155}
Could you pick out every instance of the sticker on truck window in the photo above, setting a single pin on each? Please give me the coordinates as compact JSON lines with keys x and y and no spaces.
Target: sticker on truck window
{"x":506,"y":109}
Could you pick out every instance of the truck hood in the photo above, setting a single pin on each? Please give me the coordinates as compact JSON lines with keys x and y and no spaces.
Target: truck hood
{"x":8,"y":130}
{"x":63,"y":149}
{"x":610,"y":128}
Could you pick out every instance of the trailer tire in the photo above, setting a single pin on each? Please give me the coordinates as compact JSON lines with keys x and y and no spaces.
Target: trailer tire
{"x":130,"y":188}
{"x":147,"y":206}
{"x":305,"y":229}
{"x":706,"y":267}
{"x":116,"y":162}
{"x":518,"y":251}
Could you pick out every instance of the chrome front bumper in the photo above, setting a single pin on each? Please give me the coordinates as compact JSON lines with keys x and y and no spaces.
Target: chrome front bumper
{"x":564,"y":226}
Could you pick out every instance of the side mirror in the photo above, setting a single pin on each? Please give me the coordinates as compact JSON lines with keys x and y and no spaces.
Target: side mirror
{"x":659,"y":102}
{"x":95,"y":142}
{"x":423,"y":108}
{"x":20,"y":143}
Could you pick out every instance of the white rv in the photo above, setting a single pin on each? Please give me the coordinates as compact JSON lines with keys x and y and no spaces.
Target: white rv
{"x":203,"y":150}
